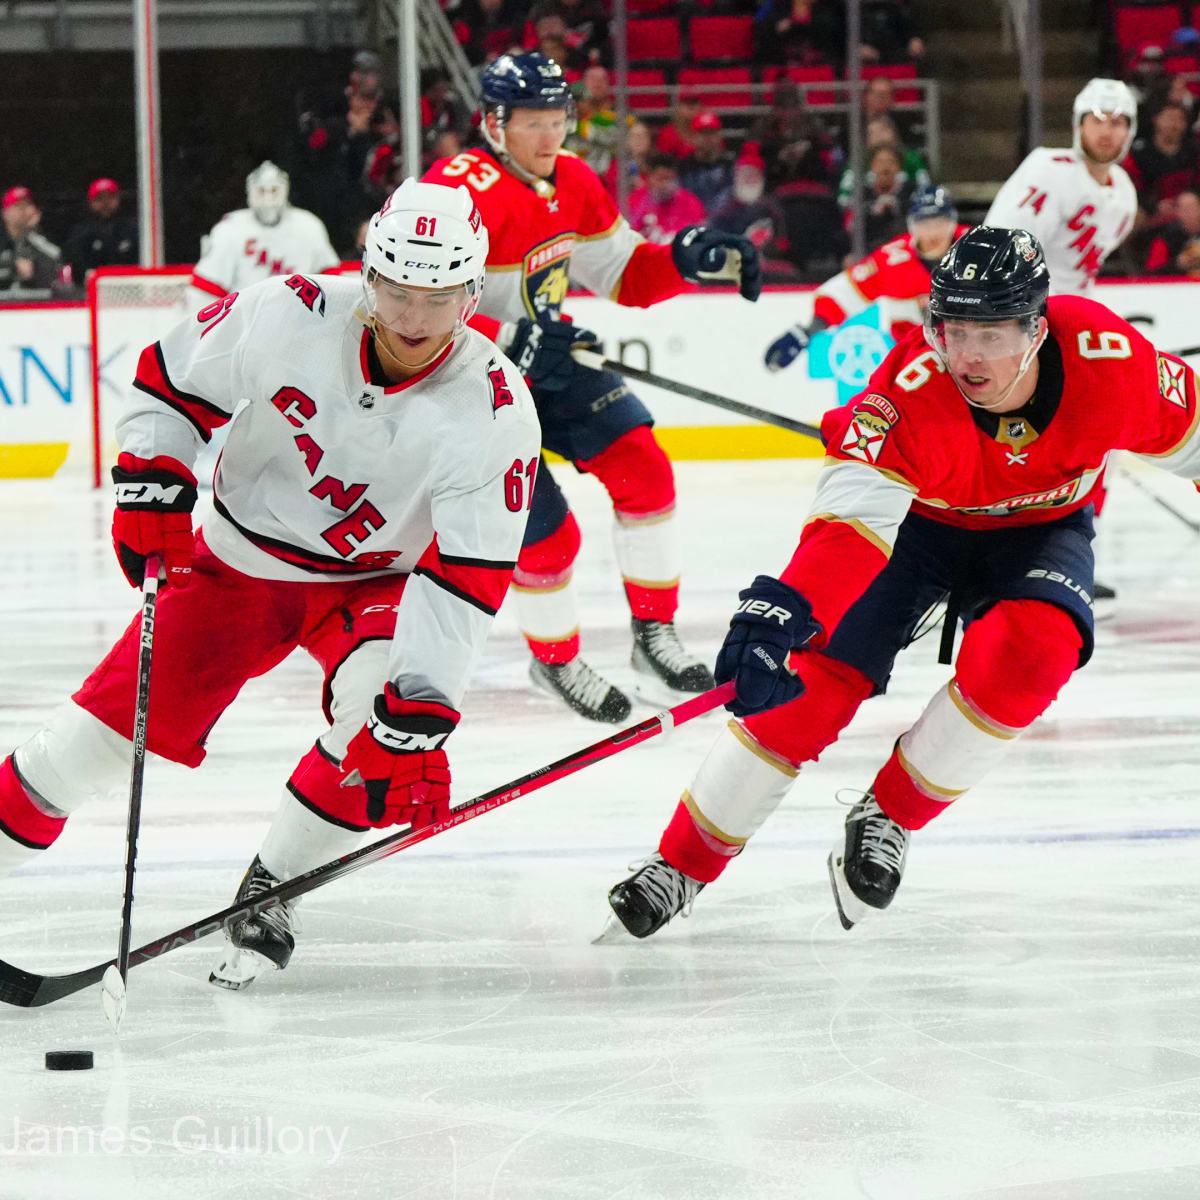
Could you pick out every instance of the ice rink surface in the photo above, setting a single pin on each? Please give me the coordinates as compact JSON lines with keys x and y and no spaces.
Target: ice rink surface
{"x":1023,"y":1023}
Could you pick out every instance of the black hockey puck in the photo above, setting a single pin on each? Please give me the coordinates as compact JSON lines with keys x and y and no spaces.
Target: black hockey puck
{"x":69,"y":1060}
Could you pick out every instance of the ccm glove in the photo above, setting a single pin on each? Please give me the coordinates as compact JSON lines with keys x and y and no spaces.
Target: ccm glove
{"x":155,"y":498}
{"x":706,"y":254}
{"x":398,"y":757}
{"x":541,"y":349}
{"x":771,"y":621}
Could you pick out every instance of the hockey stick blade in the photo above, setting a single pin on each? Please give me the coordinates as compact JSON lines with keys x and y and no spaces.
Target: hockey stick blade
{"x":26,"y":989}
{"x":591,"y":358}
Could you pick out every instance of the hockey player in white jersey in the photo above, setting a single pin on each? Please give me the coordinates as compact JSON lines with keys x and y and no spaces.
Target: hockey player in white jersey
{"x":369,"y":507}
{"x":268,"y":237}
{"x":1079,"y":203}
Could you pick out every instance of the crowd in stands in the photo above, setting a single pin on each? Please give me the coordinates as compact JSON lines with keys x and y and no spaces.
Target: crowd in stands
{"x":760,"y":149}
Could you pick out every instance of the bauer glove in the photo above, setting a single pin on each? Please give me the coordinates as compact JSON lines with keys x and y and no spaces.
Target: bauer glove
{"x":771,"y":621}
{"x":398,"y":757}
{"x":541,"y":349}
{"x":155,"y":498}
{"x":702,"y":254}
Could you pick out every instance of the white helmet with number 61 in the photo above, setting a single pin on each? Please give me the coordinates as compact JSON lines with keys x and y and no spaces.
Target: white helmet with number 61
{"x":427,"y":237}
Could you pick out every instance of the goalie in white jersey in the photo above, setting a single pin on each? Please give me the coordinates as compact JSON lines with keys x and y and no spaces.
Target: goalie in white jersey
{"x":268,"y":237}
{"x":1078,"y":202}
{"x":369,"y":506}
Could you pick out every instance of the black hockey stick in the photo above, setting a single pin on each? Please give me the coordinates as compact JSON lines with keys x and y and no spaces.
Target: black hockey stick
{"x":114,"y":994}
{"x":25,"y":989}
{"x":597,"y":361}
{"x":1186,"y":352}
{"x":1194,"y":526}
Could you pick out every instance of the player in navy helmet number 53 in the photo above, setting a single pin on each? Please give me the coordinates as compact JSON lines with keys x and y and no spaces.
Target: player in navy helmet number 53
{"x":966,"y":466}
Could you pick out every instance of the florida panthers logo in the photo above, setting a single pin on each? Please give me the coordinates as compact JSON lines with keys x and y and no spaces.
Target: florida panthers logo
{"x":545,"y":275}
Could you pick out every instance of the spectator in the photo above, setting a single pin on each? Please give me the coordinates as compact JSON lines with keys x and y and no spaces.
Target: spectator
{"x":587,"y":30}
{"x":886,"y":195}
{"x":28,"y":260}
{"x":660,"y":208}
{"x":549,"y":33}
{"x":881,"y":131}
{"x":747,"y":209}
{"x":1180,"y":93}
{"x":1165,"y":163}
{"x":104,"y":239}
{"x":806,"y":32}
{"x":889,"y":33}
{"x":638,"y":144}
{"x":675,"y":137}
{"x":596,"y":133}
{"x":1149,"y":80}
{"x":795,"y":144}
{"x":1175,"y":247}
{"x":879,"y":100}
{"x":708,"y":172}
{"x":487,"y":29}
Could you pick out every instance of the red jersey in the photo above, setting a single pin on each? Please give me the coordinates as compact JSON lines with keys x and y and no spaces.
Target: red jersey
{"x":894,"y":271}
{"x":538,"y":243}
{"x":912,"y":440}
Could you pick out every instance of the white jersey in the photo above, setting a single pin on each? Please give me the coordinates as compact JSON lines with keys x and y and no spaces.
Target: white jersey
{"x":327,"y":475}
{"x":1078,"y":221}
{"x":241,"y":250}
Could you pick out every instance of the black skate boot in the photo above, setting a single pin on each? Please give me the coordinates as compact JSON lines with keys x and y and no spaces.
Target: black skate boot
{"x":866,"y":872}
{"x":650,"y":897}
{"x":256,"y":943}
{"x":664,"y":665}
{"x":578,"y":686}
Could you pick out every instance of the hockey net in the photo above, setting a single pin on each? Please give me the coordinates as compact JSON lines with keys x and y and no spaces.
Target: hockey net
{"x":129,"y":308}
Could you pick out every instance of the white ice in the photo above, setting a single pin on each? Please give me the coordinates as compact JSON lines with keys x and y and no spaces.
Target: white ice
{"x":1023,"y":1023}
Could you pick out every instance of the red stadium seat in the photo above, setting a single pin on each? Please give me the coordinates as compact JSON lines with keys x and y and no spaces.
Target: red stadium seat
{"x":654,"y":38}
{"x":647,"y":8}
{"x":803,"y":75}
{"x":720,"y":87}
{"x":647,"y":78}
{"x":896,"y":72}
{"x":1138,"y":25}
{"x":721,"y":38}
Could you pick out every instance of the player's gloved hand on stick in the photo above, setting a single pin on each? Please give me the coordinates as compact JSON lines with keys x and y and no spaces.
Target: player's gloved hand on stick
{"x":771,"y":621}
{"x":398,"y":757}
{"x":155,"y":498}
{"x":700,"y":254}
{"x":541,"y":349}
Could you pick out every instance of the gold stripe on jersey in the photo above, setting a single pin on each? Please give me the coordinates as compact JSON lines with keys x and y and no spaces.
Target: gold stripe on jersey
{"x":705,"y":824}
{"x":760,"y":751}
{"x":1179,"y":445}
{"x":863,"y":531}
{"x":980,"y":720}
{"x":930,"y":789}
{"x":894,"y":476}
{"x":604,"y":233}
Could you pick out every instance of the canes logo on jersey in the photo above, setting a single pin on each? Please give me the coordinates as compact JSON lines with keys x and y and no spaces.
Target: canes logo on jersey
{"x":1171,"y":385}
{"x":501,"y":392}
{"x":869,"y":427}
{"x":545,"y":275}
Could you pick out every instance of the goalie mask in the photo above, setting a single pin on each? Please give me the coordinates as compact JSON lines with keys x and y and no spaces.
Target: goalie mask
{"x":423,"y":263}
{"x":267,"y":193}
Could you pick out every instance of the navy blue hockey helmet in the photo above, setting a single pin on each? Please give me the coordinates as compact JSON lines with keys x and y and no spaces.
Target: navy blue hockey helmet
{"x":930,"y":202}
{"x":525,"y":81}
{"x":990,"y":274}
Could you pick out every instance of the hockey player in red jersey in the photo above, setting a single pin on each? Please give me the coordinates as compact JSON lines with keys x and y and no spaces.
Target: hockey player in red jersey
{"x":551,"y":221}
{"x":898,"y":272}
{"x":369,"y":506}
{"x":968,"y":467}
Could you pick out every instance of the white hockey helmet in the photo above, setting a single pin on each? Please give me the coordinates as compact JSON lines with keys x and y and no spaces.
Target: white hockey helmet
{"x":425,"y":236}
{"x":267,"y":192}
{"x":1105,"y":97}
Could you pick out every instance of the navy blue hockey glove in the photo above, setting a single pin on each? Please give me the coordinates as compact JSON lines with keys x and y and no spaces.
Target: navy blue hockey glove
{"x":786,"y":348}
{"x":541,"y":349}
{"x":771,"y":621}
{"x":701,"y":254}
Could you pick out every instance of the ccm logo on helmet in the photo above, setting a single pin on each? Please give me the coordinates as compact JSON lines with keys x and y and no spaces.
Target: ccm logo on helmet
{"x":420,"y":266}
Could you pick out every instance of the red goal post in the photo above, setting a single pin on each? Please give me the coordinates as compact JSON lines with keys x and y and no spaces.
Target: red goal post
{"x":128,"y":309}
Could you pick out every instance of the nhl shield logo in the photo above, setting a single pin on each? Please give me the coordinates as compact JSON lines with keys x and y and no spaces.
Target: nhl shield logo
{"x":366,"y":401}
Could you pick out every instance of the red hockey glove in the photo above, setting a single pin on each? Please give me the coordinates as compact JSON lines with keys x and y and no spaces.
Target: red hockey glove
{"x":398,"y":757}
{"x":155,"y":498}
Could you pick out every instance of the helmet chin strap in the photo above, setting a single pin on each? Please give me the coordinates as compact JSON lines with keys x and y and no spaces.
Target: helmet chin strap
{"x":382,"y":346}
{"x":1026,"y":362}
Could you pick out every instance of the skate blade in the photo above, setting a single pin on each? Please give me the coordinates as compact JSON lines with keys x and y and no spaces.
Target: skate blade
{"x":613,"y":933}
{"x":239,"y":968}
{"x":850,"y":908}
{"x":653,"y":690}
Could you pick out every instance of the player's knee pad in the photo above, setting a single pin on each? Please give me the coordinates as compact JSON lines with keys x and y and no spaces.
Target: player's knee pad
{"x":800,"y":730}
{"x":1015,"y":660}
{"x":71,"y":759}
{"x":636,"y":473}
{"x":547,"y":562}
{"x":352,"y":689}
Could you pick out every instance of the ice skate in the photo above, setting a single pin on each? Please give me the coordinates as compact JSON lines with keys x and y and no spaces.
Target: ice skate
{"x":649,"y":898}
{"x":582,"y":689}
{"x":666,"y":671}
{"x":1104,"y":601}
{"x":866,"y":872}
{"x":261,"y":942}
